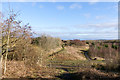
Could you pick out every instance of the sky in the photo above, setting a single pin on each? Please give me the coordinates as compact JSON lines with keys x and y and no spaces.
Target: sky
{"x":69,"y":20}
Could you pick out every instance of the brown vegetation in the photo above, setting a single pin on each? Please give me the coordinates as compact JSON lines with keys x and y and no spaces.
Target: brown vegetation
{"x":108,"y":51}
{"x":25,"y":56}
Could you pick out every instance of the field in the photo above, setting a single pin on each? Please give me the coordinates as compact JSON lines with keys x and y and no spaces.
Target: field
{"x":68,"y":62}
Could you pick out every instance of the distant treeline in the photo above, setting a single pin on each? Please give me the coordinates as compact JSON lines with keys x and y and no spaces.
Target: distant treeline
{"x":75,"y":42}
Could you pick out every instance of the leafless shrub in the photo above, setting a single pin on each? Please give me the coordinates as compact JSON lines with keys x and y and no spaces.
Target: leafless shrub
{"x":13,"y":37}
{"x":75,"y":42}
{"x":47,"y":42}
{"x":107,"y":51}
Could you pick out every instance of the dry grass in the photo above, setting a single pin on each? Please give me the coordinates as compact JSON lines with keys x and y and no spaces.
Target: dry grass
{"x":68,"y":62}
{"x":70,"y":53}
{"x":17,"y":69}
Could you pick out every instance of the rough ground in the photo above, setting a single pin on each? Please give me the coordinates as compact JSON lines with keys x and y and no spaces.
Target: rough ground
{"x":72,"y":65}
{"x":70,"y":53}
{"x":18,"y":71}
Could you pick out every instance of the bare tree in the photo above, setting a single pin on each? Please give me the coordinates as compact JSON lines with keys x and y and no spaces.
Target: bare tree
{"x":14,"y":35}
{"x":1,"y":57}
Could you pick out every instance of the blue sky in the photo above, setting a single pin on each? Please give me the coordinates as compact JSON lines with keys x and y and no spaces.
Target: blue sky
{"x":69,"y":20}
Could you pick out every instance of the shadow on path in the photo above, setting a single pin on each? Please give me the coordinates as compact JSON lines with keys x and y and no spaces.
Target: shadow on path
{"x":31,"y":79}
{"x":57,"y":51}
{"x":85,"y":76}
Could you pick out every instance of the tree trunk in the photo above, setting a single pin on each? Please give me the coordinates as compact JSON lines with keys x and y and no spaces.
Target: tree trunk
{"x":1,"y":58}
{"x":8,"y":40}
{"x":41,"y":59}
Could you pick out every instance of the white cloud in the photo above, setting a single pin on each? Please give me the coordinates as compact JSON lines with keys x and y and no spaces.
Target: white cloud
{"x":99,"y":25}
{"x":82,"y":34}
{"x":73,"y":6}
{"x":41,"y":6}
{"x":52,"y":0}
{"x":86,"y":31}
{"x":87,"y":15}
{"x":93,"y":2}
{"x":60,"y":0}
{"x":100,"y":17}
{"x":22,"y":0}
{"x":33,"y":4}
{"x":60,"y":7}
{"x":114,"y":7}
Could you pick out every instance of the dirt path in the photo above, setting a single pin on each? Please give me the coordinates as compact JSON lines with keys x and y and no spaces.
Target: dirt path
{"x":81,"y":49}
{"x":57,"y":51}
{"x":74,"y":69}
